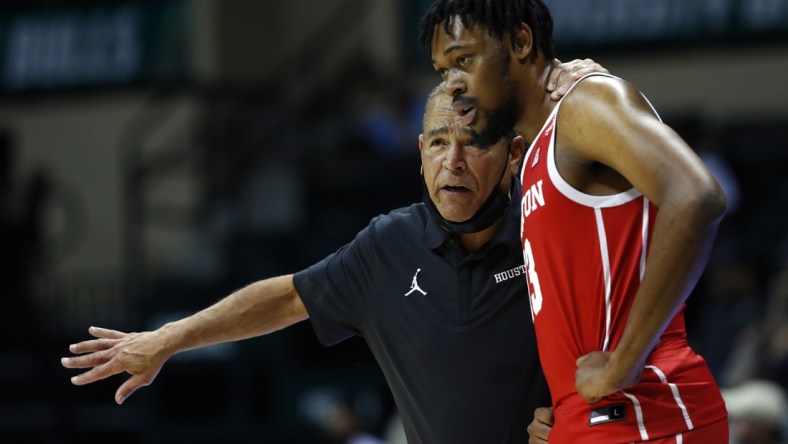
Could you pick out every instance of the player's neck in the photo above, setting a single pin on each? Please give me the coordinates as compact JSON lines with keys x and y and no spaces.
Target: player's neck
{"x":536,"y":103}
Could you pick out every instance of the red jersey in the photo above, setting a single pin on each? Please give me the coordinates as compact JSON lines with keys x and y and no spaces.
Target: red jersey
{"x":585,"y":257}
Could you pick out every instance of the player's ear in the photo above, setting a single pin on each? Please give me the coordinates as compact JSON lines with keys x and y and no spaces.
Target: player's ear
{"x":421,"y":143}
{"x":522,"y":42}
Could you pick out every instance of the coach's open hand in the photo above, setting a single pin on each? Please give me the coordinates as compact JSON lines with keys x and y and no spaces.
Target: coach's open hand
{"x":564,"y":75}
{"x":259,"y":308}
{"x":139,"y":354}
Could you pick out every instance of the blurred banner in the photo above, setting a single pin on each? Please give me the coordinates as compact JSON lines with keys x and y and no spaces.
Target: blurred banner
{"x":625,"y":23}
{"x":93,"y":44}
{"x":614,"y":25}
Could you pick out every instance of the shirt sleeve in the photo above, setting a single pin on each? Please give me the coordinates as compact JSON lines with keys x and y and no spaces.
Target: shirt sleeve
{"x":335,"y":290}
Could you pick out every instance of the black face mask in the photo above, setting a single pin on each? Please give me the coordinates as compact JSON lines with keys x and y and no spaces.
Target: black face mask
{"x":492,"y":209}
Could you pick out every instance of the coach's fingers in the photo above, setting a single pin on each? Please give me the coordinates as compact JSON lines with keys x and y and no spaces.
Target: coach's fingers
{"x":98,"y":373}
{"x":92,"y":345}
{"x":84,"y":361}
{"x":558,"y":69}
{"x":130,"y":386}
{"x":563,"y":83}
{"x":106,"y":333}
{"x":581,"y":72}
{"x":591,"y":68}
{"x":566,"y":74}
{"x":578,"y":68}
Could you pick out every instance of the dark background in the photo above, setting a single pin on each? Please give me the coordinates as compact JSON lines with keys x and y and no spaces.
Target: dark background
{"x":156,"y":156}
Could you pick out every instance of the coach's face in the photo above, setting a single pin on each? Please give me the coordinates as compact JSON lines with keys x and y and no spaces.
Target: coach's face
{"x":459,"y":173}
{"x":477,"y":70}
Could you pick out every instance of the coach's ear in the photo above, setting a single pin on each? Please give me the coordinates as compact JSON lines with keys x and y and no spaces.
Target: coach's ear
{"x":516,"y":152}
{"x":421,"y":152}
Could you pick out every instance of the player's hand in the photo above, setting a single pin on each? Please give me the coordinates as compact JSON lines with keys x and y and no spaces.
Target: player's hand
{"x":565,"y":74}
{"x":595,"y":378}
{"x":139,"y":354}
{"x":540,"y":427}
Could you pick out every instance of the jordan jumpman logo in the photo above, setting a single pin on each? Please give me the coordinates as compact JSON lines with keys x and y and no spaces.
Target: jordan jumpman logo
{"x":414,"y":286}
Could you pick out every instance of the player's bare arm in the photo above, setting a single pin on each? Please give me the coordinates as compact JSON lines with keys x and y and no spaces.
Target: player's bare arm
{"x":607,"y":121}
{"x":257,"y":309}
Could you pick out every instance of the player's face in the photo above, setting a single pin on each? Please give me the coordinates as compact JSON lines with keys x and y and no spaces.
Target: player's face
{"x":476,"y":68}
{"x":459,"y":173}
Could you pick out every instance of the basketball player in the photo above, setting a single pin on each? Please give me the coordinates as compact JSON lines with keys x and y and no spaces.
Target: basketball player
{"x":428,"y":287}
{"x":618,"y":218}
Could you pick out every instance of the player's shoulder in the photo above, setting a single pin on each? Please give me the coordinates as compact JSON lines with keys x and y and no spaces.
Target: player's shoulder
{"x":602,"y":100}
{"x":599,"y":89}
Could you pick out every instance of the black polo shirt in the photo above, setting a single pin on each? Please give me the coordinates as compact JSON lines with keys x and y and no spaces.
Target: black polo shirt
{"x":451,"y":331}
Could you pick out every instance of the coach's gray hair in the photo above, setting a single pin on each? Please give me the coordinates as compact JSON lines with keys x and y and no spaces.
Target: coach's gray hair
{"x":437,"y":91}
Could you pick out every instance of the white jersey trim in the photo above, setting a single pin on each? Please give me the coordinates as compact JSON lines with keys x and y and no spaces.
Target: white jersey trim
{"x":676,"y":396}
{"x":604,"y":256}
{"x":638,"y":415}
{"x":644,"y":237}
{"x":531,"y":146}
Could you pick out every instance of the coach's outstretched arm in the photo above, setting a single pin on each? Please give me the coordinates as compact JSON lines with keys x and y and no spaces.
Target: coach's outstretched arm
{"x":257,"y":309}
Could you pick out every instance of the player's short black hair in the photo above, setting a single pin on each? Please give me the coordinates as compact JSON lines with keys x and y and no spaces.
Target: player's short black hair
{"x":498,"y":16}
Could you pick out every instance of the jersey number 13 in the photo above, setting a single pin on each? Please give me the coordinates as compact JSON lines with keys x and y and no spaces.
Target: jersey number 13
{"x":534,"y":289}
